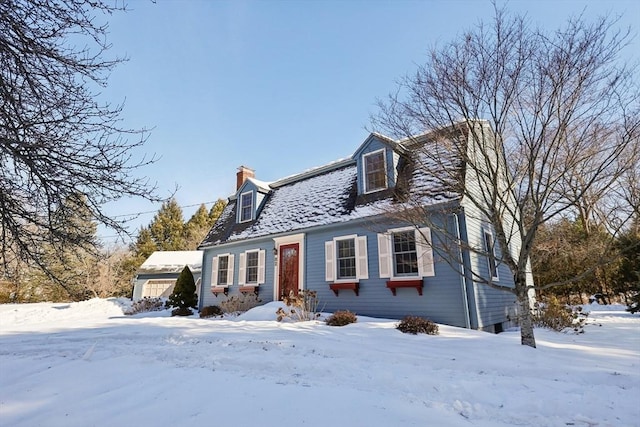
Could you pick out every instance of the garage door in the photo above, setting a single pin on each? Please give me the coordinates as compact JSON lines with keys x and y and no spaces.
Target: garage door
{"x":158,"y":288}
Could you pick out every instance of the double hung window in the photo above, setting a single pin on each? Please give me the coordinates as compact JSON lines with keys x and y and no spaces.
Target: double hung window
{"x":490,"y":249}
{"x":405,"y":257}
{"x":346,"y":259}
{"x":375,"y":171}
{"x":246,"y":207}
{"x":222,"y":270}
{"x":252,"y":267}
{"x":405,"y":253}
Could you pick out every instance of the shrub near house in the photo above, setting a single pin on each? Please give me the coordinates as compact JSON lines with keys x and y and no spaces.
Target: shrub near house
{"x":184,"y":296}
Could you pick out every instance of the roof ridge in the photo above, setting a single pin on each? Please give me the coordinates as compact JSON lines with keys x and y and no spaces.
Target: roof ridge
{"x":336,"y":164}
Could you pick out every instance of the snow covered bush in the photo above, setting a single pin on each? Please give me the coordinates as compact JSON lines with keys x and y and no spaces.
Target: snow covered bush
{"x":301,"y":307}
{"x":210,"y":311}
{"x":554,"y":315}
{"x":341,"y":318}
{"x":417,"y":325}
{"x":145,"y":305}
{"x":184,"y":295}
{"x":241,"y":303}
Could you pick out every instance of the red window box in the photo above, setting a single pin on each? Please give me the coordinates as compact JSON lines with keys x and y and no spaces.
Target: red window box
{"x":245,"y":289}
{"x":220,"y":290}
{"x":395,"y":284}
{"x":335,"y":287}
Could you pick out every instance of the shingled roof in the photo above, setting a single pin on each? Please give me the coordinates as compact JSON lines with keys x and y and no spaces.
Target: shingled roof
{"x":328,"y":195}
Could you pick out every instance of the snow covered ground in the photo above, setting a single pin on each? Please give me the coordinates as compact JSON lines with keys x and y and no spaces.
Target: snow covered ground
{"x":86,"y":364}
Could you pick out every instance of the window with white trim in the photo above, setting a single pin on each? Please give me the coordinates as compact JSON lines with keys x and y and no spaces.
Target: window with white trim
{"x":405,"y":253}
{"x":252,"y":267}
{"x":374,"y":171}
{"x":346,"y":259}
{"x":405,"y":258}
{"x":489,"y":247}
{"x":222,"y":270}
{"x":246,"y":206}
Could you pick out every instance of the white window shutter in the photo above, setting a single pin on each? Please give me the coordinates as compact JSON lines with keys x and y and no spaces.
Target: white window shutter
{"x":329,"y":261}
{"x":384,"y":255}
{"x":362,"y":264}
{"x":214,"y":271}
{"x":424,"y":252}
{"x":261,"y":264}
{"x":241,"y":268}
{"x":230,"y":271}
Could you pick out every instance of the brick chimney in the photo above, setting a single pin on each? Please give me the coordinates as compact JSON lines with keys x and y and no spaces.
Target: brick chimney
{"x":242,"y":175}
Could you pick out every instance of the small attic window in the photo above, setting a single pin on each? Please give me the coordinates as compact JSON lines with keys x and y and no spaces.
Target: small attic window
{"x":246,"y":206}
{"x":375,"y":171}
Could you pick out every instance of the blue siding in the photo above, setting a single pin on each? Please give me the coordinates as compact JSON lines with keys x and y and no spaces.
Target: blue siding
{"x":441,"y":300}
{"x":266,"y":291}
{"x":491,"y":305}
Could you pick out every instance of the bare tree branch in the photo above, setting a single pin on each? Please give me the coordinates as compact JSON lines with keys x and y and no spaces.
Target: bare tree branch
{"x":558,"y":136}
{"x":56,"y":139}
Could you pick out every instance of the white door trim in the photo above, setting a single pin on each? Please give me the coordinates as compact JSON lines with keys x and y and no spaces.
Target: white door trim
{"x":286,"y":240}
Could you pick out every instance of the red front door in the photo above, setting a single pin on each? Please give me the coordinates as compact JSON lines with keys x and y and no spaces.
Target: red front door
{"x":289,"y":262}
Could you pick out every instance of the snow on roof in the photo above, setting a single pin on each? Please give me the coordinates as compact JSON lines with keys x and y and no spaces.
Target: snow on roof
{"x":312,"y":171}
{"x":328,"y":195}
{"x":262,"y":185}
{"x":318,"y":200}
{"x":172,"y":262}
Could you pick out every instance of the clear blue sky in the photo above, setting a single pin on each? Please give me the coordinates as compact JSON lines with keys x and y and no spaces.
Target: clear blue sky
{"x":279,"y":86}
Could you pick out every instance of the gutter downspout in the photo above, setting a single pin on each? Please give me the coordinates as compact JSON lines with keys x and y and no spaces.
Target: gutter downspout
{"x":463,"y":281}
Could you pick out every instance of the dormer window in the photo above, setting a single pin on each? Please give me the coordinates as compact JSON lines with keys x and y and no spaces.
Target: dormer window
{"x":246,"y":206}
{"x":375,"y":171}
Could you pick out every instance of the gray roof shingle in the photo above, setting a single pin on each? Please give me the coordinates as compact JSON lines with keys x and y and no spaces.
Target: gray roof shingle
{"x":328,"y":195}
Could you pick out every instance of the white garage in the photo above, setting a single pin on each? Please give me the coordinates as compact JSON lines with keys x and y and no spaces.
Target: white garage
{"x":157,"y":276}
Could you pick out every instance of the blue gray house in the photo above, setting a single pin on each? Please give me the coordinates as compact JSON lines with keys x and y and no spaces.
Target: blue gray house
{"x":341,"y":230}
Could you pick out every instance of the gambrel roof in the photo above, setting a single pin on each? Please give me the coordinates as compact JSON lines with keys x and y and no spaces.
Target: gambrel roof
{"x":329,"y":195}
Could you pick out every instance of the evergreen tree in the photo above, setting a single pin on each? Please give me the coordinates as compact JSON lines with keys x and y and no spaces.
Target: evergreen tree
{"x":144,"y":245}
{"x":167,"y":227}
{"x":197,"y":227}
{"x":200,"y":218}
{"x":201,"y":222}
{"x":216,"y":211}
{"x":184,"y":295}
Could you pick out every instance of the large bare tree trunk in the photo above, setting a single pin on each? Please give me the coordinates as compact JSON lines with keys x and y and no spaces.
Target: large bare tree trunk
{"x":563,"y":114}
{"x":524,"y":311}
